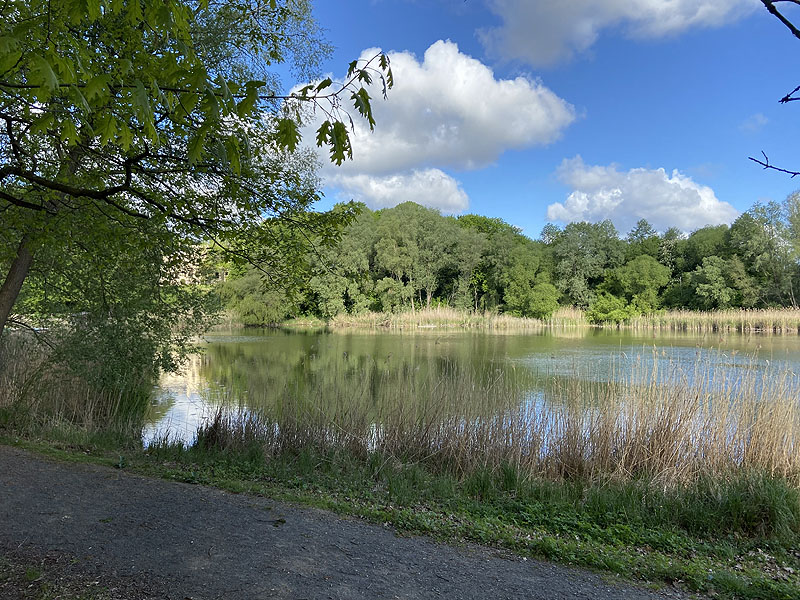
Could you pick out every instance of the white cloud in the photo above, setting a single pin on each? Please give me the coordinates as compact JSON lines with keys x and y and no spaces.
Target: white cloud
{"x":543,"y":33}
{"x":429,"y":187}
{"x":604,"y":192}
{"x":754,"y":123}
{"x":447,"y":110}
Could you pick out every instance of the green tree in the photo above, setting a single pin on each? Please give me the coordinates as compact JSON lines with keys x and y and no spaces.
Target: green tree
{"x":710,"y":284}
{"x":639,"y":282}
{"x":127,"y":111}
{"x":583,"y":252}
{"x":762,"y":238}
{"x":642,"y":239}
{"x":607,"y":308}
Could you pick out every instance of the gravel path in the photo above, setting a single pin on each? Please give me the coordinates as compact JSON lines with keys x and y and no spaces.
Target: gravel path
{"x":177,"y":541}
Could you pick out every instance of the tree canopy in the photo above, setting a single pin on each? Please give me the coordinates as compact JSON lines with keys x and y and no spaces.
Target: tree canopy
{"x":162,"y":122}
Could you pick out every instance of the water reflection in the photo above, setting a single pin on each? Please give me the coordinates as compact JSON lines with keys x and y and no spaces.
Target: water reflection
{"x":257,"y":369}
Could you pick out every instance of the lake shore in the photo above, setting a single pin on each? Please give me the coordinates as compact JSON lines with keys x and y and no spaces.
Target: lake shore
{"x":782,"y":321}
{"x":605,"y":528}
{"x":632,"y":476}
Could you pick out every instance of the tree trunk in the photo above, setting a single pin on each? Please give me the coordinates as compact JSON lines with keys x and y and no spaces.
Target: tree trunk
{"x":14,"y":280}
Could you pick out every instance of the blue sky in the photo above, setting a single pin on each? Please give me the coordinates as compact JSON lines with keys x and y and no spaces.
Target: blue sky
{"x":536,"y":111}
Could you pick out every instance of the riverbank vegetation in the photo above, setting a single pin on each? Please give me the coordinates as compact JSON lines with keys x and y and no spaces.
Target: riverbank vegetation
{"x":673,"y":476}
{"x":407,"y":258}
{"x":750,"y":321}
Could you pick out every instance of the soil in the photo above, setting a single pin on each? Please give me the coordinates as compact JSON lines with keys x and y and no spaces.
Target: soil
{"x":133,"y":538}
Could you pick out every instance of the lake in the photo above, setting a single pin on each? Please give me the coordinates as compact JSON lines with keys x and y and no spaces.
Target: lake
{"x":255,"y":369}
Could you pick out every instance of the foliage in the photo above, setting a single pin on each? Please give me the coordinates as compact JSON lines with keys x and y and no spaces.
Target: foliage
{"x":607,"y":308}
{"x":136,"y":132}
{"x":407,"y":257}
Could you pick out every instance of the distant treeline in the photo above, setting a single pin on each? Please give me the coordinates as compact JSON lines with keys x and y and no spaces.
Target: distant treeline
{"x":407,"y":257}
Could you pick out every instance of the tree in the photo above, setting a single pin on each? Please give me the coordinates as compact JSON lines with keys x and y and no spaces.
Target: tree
{"x":762,"y":238}
{"x":121,"y":112}
{"x":583,"y":252}
{"x":639,"y":281}
{"x":642,"y":239}
{"x":710,"y":284}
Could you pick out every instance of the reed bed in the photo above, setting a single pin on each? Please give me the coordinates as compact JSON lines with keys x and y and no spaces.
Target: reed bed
{"x":445,"y":317}
{"x":777,"y":321}
{"x":656,"y":423}
{"x":37,"y":393}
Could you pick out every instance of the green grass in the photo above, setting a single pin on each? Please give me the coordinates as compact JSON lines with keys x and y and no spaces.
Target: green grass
{"x":734,"y":538}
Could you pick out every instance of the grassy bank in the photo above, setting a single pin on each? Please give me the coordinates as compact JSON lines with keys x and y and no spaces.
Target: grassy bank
{"x":664,"y":488}
{"x":663,"y":475}
{"x":731,"y":538}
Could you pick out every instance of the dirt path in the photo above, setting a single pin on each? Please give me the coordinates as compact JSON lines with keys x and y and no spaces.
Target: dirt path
{"x":157,"y":539}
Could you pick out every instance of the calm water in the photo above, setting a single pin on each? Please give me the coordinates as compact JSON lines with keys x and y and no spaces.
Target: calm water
{"x":251,"y":368}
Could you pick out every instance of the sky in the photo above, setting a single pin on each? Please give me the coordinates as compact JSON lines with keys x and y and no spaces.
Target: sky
{"x":536,"y":111}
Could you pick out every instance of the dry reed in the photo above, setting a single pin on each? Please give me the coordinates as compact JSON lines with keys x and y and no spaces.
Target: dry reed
{"x":778,"y":320}
{"x":39,"y":393}
{"x":444,"y":317}
{"x":658,"y":422}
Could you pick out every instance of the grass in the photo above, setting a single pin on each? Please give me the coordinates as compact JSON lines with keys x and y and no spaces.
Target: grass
{"x":779,"y":320}
{"x":37,"y":393}
{"x":443,"y":317}
{"x":685,"y":478}
{"x":732,"y":539}
{"x":772,"y":321}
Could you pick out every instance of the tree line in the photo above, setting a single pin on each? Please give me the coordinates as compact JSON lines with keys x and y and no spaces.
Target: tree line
{"x":411,"y":257}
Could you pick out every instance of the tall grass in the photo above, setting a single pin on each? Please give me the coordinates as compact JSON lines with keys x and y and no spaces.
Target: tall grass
{"x":39,"y":393}
{"x":779,"y":320}
{"x":657,"y":422}
{"x":444,"y":317}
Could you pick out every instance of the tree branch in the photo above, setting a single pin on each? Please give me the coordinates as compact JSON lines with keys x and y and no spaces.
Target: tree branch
{"x":770,"y":5}
{"x":766,"y":164}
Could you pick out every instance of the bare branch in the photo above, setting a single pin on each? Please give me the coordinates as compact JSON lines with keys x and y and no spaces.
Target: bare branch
{"x":766,"y":164}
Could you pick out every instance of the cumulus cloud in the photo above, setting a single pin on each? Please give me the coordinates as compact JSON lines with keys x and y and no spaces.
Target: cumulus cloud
{"x":543,"y":33}
{"x":429,"y":187}
{"x":447,"y":110}
{"x":604,"y":192}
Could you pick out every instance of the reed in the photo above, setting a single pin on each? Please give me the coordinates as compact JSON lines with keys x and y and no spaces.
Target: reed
{"x":776,"y":321}
{"x":656,"y":422}
{"x":445,"y":317}
{"x":40,"y":394}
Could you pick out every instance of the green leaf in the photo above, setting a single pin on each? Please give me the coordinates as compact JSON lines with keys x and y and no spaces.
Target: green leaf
{"x":124,"y":136}
{"x":135,"y":15}
{"x":323,"y":134}
{"x":106,"y":128}
{"x":361,"y":101}
{"x":189,"y":102}
{"x":69,"y":133}
{"x":340,"y":143}
{"x":325,"y":83}
{"x":93,"y":10}
{"x":42,"y":73}
{"x":142,"y":101}
{"x":7,"y":61}
{"x":8,"y":44}
{"x":42,"y":123}
{"x":287,"y":134}
{"x":97,"y":86}
{"x":232,"y":151}
{"x":197,"y":145}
